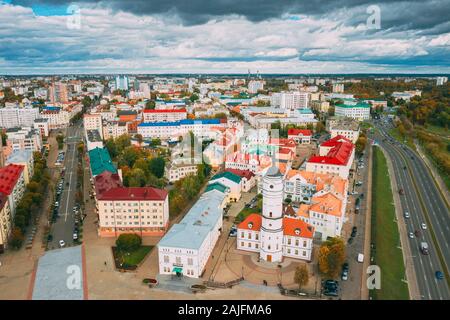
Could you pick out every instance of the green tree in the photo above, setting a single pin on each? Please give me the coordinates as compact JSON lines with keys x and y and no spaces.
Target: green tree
{"x":194,"y":97}
{"x":130,"y":155}
{"x":156,"y":166}
{"x":150,"y":105}
{"x":112,"y":148}
{"x":16,"y":239}
{"x":128,"y":242}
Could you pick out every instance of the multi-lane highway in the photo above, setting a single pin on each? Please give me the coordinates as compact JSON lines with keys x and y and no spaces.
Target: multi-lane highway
{"x":63,"y":228}
{"x":422,"y":199}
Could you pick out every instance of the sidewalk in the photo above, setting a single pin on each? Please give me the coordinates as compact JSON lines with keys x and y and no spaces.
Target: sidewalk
{"x":413,"y":287}
{"x":367,"y":227}
{"x":437,"y":178}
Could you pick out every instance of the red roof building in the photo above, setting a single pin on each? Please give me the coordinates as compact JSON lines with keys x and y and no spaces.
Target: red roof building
{"x":335,"y":157}
{"x":301,"y":136}
{"x":133,"y":194}
{"x":9,"y":176}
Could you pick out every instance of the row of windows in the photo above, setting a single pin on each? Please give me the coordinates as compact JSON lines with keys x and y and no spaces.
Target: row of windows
{"x":135,"y":204}
{"x":130,"y":210}
{"x":135,"y":223}
{"x":133,"y":217}
{"x":190,"y":261}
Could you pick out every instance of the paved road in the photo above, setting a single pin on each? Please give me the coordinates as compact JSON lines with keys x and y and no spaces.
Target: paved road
{"x":351,"y":289}
{"x":62,"y":229}
{"x":407,"y":172}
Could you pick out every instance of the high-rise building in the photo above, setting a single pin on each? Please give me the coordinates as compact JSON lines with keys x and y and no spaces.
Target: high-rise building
{"x":338,"y":88}
{"x":121,"y":83}
{"x":255,"y":85}
{"x":441,"y":80}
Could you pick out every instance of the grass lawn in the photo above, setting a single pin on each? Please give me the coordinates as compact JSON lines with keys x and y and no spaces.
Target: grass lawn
{"x":385,"y":235}
{"x":245,"y":213}
{"x":440,"y":131}
{"x":397,"y":136}
{"x":133,"y":258}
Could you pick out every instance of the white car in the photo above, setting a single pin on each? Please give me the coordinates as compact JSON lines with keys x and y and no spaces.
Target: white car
{"x":424,"y":226}
{"x":75,"y":236}
{"x":406,"y":215}
{"x":62,"y":243}
{"x":411,"y":235}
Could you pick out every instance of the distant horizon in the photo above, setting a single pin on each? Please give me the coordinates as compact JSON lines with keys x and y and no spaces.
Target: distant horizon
{"x":246,"y":75}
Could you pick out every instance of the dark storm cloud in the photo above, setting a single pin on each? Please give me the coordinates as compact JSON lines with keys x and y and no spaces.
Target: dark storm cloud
{"x":402,"y":15}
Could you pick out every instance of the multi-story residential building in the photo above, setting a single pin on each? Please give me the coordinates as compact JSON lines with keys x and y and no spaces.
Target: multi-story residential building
{"x":170,"y":115}
{"x":144,"y":211}
{"x":355,"y":110}
{"x":346,"y":127}
{"x":58,"y":93}
{"x":335,"y":157}
{"x":22,"y":139}
{"x":174,"y":172}
{"x":441,"y":80}
{"x":166,"y":130}
{"x":325,"y":213}
{"x":273,"y":235}
{"x":93,"y":122}
{"x":57,"y":118}
{"x":114,"y":129}
{"x":93,"y":140}
{"x":255,"y":85}
{"x":301,"y":186}
{"x":122,"y":83}
{"x":338,"y":88}
{"x":406,"y":95}
{"x":25,"y":159}
{"x":290,"y":100}
{"x":300,"y":136}
{"x":42,"y":125}
{"x":12,"y":185}
{"x":320,"y":106}
{"x":11,"y":117}
{"x":187,"y":246}
{"x":5,"y":222}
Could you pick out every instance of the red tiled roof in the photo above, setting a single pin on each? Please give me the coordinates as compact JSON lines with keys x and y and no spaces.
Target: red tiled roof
{"x":297,"y":228}
{"x":292,"y":226}
{"x":296,"y":132}
{"x":254,"y":220}
{"x":165,"y":111}
{"x":242,"y":173}
{"x":339,"y":154}
{"x":134,"y":194}
{"x":9,"y":176}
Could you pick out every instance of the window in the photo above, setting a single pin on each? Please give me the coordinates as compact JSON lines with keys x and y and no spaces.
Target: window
{"x":166,"y":259}
{"x":190,"y":261}
{"x":178,"y":260}
{"x":250,"y":235}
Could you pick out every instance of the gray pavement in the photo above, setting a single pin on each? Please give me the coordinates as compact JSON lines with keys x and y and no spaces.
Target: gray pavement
{"x":420,"y":192}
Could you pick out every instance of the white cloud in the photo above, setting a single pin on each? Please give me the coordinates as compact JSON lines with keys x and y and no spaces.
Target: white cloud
{"x":110,"y":41}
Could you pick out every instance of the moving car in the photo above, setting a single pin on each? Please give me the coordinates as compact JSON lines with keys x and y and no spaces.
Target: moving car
{"x":411,"y":235}
{"x":406,"y":215}
{"x":424,"y":248}
{"x":439,"y":275}
{"x":424,"y":226}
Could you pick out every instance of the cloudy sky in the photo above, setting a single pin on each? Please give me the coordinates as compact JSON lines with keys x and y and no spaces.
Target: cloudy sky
{"x":224,"y":36}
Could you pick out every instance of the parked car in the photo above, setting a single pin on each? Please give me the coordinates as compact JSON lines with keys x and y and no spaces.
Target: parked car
{"x":354,"y":231}
{"x":360,"y":258}
{"x":350,"y":240}
{"x":62,"y":243}
{"x":75,"y":236}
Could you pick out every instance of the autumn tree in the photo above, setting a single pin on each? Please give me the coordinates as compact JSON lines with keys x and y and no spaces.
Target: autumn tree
{"x":331,"y":256}
{"x":301,"y":276}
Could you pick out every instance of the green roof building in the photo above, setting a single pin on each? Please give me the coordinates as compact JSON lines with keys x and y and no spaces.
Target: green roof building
{"x":100,"y":161}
